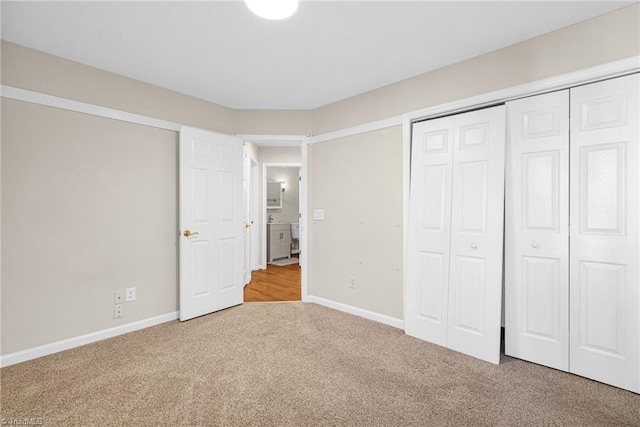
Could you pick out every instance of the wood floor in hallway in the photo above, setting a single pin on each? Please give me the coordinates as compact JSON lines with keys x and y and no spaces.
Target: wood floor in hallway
{"x":274,"y":284}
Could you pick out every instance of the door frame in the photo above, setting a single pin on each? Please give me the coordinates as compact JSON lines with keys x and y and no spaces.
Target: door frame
{"x":266,"y":140}
{"x":559,"y":82}
{"x":255,"y":214}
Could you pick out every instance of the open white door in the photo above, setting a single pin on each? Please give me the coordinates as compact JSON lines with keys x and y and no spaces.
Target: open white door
{"x":429,"y":230}
{"x":246,"y":197}
{"x":211,"y":226}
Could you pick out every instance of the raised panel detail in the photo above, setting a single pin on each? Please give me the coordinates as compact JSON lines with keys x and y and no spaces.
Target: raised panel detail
{"x":433,"y":199}
{"x":201,"y":149}
{"x":602,"y":188}
{"x":227,"y":197}
{"x":605,"y":112}
{"x":431,"y":285}
{"x":542,"y":123}
{"x":473,"y":194}
{"x":200,"y":262}
{"x":602,"y":307}
{"x":200,"y":195}
{"x":436,"y":142}
{"x":474,"y":135}
{"x":540,"y":191}
{"x":227,"y":263}
{"x":540,"y":283}
{"x":227,"y":157}
{"x":470,"y":285}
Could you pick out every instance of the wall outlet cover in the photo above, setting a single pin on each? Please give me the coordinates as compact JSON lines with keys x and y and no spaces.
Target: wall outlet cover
{"x":318,"y":214}
{"x":130,"y":294}
{"x":118,"y":311}
{"x":118,"y":297}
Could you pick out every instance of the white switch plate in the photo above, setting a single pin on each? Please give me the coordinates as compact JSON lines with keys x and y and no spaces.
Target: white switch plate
{"x":130,"y":294}
{"x":118,"y":297}
{"x":318,"y":214}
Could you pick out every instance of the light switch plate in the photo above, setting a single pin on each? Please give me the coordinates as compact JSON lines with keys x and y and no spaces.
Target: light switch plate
{"x":318,"y":214}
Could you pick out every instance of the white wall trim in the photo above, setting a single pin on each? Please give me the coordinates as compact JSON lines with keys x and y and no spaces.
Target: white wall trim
{"x":355,"y":130}
{"x":44,"y":350}
{"x":273,"y":140}
{"x":377,"y":317}
{"x":82,"y":107}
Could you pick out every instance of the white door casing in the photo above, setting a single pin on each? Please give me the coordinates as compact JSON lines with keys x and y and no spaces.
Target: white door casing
{"x":477,"y":219}
{"x":429,"y":230}
{"x":605,"y":232}
{"x":246,"y":214}
{"x":211,"y":261}
{"x":454,"y":260}
{"x":537,"y":230}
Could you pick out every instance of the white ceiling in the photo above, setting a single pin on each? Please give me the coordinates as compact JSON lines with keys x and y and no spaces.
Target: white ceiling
{"x":328,"y":51}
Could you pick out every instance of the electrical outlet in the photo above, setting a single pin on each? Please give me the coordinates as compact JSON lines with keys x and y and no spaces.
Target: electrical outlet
{"x":130,"y":294}
{"x":118,"y":297}
{"x":118,"y":311}
{"x":352,"y":282}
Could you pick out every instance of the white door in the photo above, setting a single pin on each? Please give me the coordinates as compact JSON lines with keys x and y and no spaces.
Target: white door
{"x":537,"y":230}
{"x":454,"y":264}
{"x":429,"y":231}
{"x":477,"y":218}
{"x":604,"y":260}
{"x":211,"y":227}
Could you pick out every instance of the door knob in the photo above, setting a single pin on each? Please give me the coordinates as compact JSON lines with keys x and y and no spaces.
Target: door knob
{"x":247,"y":225}
{"x":474,"y":245}
{"x":535,"y":245}
{"x":188,"y":233}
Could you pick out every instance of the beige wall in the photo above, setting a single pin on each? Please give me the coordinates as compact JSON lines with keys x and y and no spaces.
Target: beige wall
{"x":272,"y":122}
{"x":88,"y":208}
{"x":358,"y":182}
{"x":603,"y":39}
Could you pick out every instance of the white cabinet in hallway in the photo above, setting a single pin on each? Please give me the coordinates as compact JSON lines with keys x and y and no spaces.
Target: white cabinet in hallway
{"x":278,"y":241}
{"x":572,"y":269}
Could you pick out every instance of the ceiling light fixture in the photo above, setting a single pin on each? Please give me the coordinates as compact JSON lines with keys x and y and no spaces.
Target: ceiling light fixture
{"x":272,"y":9}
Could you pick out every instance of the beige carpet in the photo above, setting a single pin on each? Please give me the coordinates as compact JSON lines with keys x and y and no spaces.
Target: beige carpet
{"x":297,"y":364}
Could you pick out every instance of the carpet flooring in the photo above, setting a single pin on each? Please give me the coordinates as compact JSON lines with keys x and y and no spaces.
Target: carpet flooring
{"x":301,"y":365}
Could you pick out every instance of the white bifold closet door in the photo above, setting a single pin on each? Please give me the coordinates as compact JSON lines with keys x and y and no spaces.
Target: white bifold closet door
{"x":605,"y":232}
{"x":537,"y":230}
{"x":454,"y":265}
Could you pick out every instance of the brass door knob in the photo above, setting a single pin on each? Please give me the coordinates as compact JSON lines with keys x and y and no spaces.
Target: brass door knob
{"x":188,"y":233}
{"x":247,"y":225}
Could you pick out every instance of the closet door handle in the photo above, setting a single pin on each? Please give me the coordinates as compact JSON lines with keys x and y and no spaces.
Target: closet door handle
{"x":535,"y":245}
{"x":474,"y":246}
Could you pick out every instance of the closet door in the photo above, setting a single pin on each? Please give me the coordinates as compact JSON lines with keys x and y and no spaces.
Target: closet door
{"x":604,"y":259}
{"x":537,"y":230}
{"x":429,"y":230}
{"x":475,"y":294}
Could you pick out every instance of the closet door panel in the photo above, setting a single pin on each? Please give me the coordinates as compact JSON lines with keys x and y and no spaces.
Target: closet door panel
{"x":475,"y":294}
{"x":429,"y":230}
{"x":605,"y":193}
{"x":537,"y":218}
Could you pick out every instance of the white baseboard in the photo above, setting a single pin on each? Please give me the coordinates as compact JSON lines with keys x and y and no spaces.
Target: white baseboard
{"x":377,"y":317}
{"x":55,"y":347}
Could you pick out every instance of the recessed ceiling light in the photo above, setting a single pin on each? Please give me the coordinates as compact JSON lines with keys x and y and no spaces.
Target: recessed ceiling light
{"x":272,"y":9}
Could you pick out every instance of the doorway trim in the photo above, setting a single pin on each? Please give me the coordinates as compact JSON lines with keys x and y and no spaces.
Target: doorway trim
{"x":286,"y":141}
